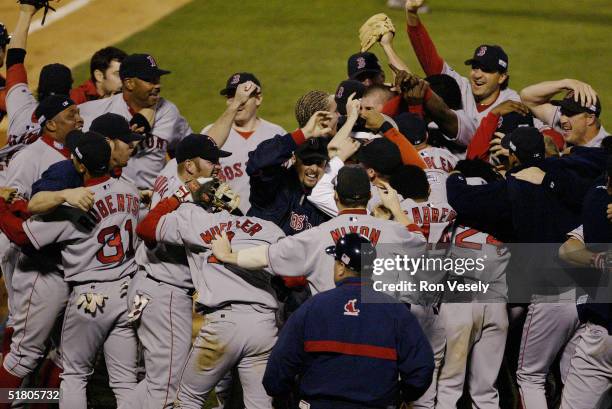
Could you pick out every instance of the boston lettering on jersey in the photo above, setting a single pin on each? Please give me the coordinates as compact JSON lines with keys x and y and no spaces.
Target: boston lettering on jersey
{"x":247,"y":226}
{"x":231,"y":172}
{"x":161,"y":186}
{"x":368,"y":232}
{"x":113,"y":203}
{"x":152,"y":141}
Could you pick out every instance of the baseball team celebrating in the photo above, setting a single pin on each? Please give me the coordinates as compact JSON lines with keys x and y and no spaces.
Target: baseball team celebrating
{"x":117,"y":222}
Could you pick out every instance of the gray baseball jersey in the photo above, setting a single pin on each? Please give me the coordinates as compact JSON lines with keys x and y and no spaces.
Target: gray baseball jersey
{"x":190,"y":225}
{"x":166,"y":262}
{"x":437,"y":183}
{"x":304,"y":254}
{"x":438,"y":158}
{"x":435,"y":220}
{"x":233,"y":168}
{"x":107,"y":252}
{"x":149,"y":159}
{"x":28,"y":165}
{"x":469,"y":243}
{"x":20,"y":106}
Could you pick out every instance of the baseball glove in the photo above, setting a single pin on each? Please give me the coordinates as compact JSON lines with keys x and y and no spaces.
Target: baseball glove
{"x":38,"y":4}
{"x":373,"y":29}
{"x":215,"y":196}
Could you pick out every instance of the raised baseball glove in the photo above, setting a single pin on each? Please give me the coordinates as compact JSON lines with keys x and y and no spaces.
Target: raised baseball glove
{"x":214,"y":196}
{"x":38,"y":4}
{"x":373,"y":29}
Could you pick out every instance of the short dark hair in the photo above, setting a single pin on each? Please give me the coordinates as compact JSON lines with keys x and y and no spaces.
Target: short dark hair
{"x":102,"y":58}
{"x":411,"y":182}
{"x":504,"y":84}
{"x":354,"y":203}
{"x":446,"y":87}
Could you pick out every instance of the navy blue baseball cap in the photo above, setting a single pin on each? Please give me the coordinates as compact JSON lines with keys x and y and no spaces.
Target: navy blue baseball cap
{"x":114,"y":126}
{"x":197,"y":145}
{"x":91,"y":149}
{"x":570,"y":107}
{"x":491,"y":58}
{"x":141,"y":66}
{"x":361,"y":63}
{"x":512,"y":120}
{"x":344,"y":91}
{"x":527,"y":143}
{"x":236,"y":79}
{"x":51,"y":106}
{"x":412,"y":127}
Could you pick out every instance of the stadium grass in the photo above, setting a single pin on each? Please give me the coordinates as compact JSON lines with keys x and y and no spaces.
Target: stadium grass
{"x":297,"y":46}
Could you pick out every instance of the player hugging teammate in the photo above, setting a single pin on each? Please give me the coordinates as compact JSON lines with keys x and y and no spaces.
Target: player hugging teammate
{"x":118,"y":222}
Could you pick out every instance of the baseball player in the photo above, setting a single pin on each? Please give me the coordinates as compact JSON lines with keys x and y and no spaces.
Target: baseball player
{"x":98,"y":264}
{"x":5,"y":38}
{"x":140,"y":77}
{"x":331,"y":332}
{"x":365,"y":68}
{"x":61,"y":182}
{"x":34,"y":313}
{"x":415,"y":129}
{"x":587,"y":376}
{"x":246,"y":132}
{"x":576,"y":116}
{"x":476,"y":325}
{"x":240,"y":325}
{"x":24,"y":127}
{"x":352,"y":195}
{"x":487,"y":85}
{"x":104,"y":79}
{"x":435,"y":218}
{"x":164,"y":280}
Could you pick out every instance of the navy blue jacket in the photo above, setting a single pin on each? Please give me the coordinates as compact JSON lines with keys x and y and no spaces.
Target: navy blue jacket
{"x":598,"y":236}
{"x":351,"y":354}
{"x":59,"y":176}
{"x":276,"y":192}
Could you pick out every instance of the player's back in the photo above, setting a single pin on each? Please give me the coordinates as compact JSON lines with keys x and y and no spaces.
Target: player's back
{"x":493,"y":256}
{"x":438,"y":158}
{"x":216,"y":284}
{"x":28,"y":165}
{"x":301,"y":254}
{"x":105,"y":253}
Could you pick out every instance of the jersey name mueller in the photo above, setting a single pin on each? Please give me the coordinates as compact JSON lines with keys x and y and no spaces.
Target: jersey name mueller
{"x":246,"y":225}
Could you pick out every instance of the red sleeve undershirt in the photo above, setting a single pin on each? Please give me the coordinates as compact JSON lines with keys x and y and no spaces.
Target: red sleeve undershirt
{"x":556,"y":137}
{"x":11,"y":225}
{"x":410,"y":156}
{"x":147,"y":227}
{"x":16,"y":74}
{"x":479,"y":145}
{"x":425,"y":50}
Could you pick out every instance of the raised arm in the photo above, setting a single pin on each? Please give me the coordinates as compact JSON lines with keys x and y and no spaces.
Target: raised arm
{"x":537,"y":96}
{"x":423,"y":46}
{"x":220,"y":130}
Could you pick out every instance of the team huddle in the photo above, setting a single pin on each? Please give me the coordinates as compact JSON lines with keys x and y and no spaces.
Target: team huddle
{"x":117,"y":221}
